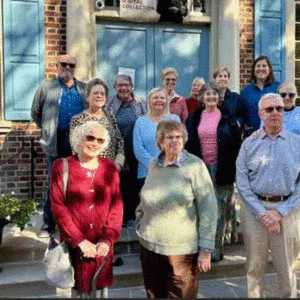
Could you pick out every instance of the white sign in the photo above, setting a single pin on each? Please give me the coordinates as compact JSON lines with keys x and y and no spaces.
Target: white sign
{"x":127,"y":71}
{"x":139,"y":10}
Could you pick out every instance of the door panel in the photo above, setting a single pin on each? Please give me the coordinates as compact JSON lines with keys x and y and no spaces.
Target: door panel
{"x":23,"y":55}
{"x":186,"y":50}
{"x":129,"y":46}
{"x":150,"y":48}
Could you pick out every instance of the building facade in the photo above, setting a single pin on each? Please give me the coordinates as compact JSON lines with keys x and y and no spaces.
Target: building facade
{"x":215,"y":33}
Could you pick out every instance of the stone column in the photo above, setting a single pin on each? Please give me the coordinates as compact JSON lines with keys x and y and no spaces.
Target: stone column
{"x":81,"y":37}
{"x":228,"y":48}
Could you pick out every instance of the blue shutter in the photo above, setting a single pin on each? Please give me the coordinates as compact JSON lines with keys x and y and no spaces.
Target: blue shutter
{"x":270,"y":33}
{"x":23,"y":55}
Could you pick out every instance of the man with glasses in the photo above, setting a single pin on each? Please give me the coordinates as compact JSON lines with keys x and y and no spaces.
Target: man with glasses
{"x":55,"y":102}
{"x":268,"y":174}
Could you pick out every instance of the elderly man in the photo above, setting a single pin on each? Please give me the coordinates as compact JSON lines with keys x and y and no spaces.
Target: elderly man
{"x":55,"y":102}
{"x":268,"y":174}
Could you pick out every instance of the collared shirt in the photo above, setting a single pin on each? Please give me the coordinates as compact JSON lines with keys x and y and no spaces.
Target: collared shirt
{"x":269,"y":166}
{"x":177,"y":163}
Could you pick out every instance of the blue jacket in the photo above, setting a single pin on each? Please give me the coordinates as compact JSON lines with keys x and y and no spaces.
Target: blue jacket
{"x":251,"y":94}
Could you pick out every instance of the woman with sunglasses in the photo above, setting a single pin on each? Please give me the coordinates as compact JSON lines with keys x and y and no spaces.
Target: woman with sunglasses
{"x":291,"y":119}
{"x":176,"y":102}
{"x":96,"y":92}
{"x":89,"y":213}
{"x":263,"y":82}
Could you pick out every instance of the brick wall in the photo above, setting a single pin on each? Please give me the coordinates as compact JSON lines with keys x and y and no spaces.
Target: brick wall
{"x":20,"y":152}
{"x":246,"y":40}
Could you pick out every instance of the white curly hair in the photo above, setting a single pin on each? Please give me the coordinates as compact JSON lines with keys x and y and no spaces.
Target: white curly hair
{"x":79,"y":132}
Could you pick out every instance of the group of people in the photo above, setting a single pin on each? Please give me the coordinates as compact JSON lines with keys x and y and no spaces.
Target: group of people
{"x":169,"y":165}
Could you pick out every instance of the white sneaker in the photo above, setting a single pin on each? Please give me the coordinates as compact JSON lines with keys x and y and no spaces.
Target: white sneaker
{"x":44,"y":233}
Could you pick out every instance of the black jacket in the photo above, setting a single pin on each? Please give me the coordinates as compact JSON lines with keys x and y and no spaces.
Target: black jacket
{"x":229,"y":142}
{"x":172,"y":10}
{"x":234,"y":102}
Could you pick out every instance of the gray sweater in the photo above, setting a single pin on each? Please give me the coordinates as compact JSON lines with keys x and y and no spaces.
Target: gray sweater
{"x":45,"y":109}
{"x":178,"y":210}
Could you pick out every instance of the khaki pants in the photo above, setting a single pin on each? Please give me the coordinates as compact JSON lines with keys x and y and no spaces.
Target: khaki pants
{"x":169,"y":276}
{"x":284,"y":248}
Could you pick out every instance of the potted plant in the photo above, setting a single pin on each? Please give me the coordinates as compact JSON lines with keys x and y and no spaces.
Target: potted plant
{"x":15,"y":211}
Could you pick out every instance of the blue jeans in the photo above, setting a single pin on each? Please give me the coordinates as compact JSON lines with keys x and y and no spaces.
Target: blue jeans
{"x":47,"y":213}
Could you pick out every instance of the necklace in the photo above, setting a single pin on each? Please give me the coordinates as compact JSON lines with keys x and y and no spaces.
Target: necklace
{"x":90,"y":173}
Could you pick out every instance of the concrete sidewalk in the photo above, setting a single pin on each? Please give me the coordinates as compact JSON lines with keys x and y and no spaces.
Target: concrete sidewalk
{"x":22,"y":275}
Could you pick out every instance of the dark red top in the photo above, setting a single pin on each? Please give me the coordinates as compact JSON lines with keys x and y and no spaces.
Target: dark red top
{"x":95,"y":216}
{"x":192,"y":104}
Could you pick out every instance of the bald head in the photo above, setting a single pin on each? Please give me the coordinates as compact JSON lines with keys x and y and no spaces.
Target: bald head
{"x":66,"y":58}
{"x":66,"y":68}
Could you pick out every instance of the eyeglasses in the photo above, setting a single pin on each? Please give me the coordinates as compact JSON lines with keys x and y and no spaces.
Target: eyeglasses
{"x":170,"y":79}
{"x":290,"y":95}
{"x":64,"y":65}
{"x":270,"y":109}
{"x":173,"y":137}
{"x":91,"y":138}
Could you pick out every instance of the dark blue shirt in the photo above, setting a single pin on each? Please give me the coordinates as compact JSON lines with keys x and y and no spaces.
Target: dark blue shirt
{"x":70,"y":104}
{"x":126,"y":118}
{"x":251,"y":94}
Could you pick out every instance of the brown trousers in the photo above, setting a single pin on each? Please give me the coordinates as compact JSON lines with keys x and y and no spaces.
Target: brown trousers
{"x":169,"y":276}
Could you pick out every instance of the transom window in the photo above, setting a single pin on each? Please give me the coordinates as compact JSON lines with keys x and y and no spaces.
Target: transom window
{"x":197,"y":6}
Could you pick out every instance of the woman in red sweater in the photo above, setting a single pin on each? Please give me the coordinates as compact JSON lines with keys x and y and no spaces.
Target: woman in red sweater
{"x":90,"y":216}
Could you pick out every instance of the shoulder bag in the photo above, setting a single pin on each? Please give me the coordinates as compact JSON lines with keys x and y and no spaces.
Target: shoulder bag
{"x":58,"y":269}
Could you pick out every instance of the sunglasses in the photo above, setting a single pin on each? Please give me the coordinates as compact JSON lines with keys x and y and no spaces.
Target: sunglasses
{"x":91,"y":138}
{"x":270,"y":109}
{"x":64,"y":65}
{"x":170,"y":79}
{"x":290,"y":95}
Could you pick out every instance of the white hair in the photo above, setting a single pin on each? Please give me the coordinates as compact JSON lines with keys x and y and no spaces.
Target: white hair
{"x":79,"y":132}
{"x":269,"y":96}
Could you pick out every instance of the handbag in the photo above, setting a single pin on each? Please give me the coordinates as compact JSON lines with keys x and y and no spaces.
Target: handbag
{"x":58,"y":268}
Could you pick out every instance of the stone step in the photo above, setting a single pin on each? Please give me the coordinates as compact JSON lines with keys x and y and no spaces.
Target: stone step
{"x":26,"y":278}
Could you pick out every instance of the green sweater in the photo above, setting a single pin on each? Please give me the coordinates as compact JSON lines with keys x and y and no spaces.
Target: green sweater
{"x":178,"y":210}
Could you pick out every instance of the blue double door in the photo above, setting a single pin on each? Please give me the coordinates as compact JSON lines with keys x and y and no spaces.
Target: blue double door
{"x":144,"y":50}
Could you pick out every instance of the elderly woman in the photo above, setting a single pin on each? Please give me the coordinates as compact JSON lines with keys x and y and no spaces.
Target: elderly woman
{"x":127,"y":108}
{"x":232,"y":101}
{"x":145,"y":129}
{"x":263,"y":82}
{"x":176,"y":219}
{"x":96,"y":92}
{"x":193,"y":102}
{"x":291,"y":119}
{"x":214,"y":136}
{"x":177,"y":103}
{"x":89,"y":215}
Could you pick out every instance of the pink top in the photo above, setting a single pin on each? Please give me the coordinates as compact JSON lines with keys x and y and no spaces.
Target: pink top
{"x":207,"y":132}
